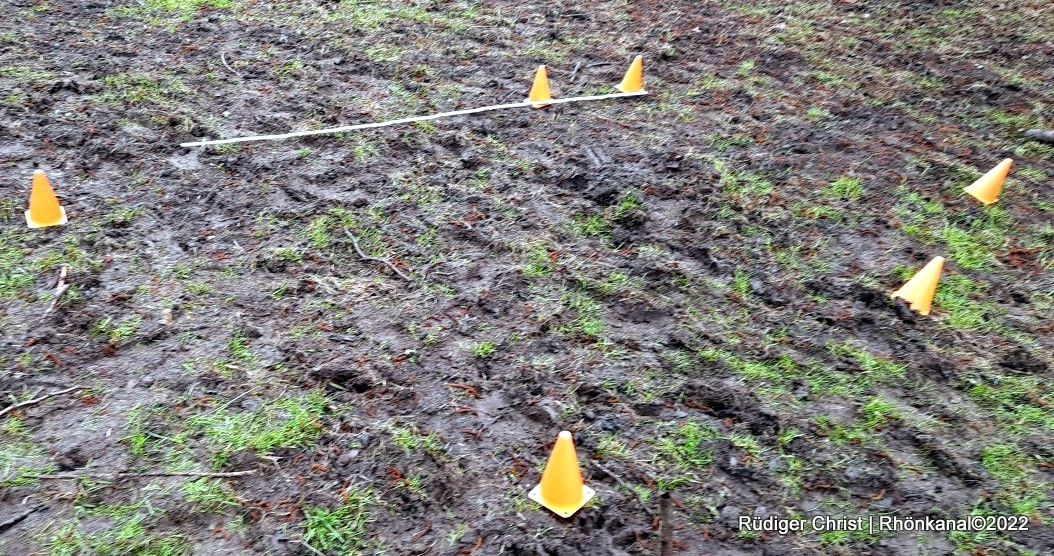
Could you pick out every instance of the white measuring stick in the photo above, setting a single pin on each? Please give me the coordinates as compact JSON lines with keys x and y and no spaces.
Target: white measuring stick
{"x":407,"y":120}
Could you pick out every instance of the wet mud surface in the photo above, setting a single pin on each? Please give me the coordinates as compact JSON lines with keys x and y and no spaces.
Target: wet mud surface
{"x":695,"y":282}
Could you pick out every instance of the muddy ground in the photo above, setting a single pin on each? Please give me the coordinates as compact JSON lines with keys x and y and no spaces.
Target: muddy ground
{"x":695,"y":282}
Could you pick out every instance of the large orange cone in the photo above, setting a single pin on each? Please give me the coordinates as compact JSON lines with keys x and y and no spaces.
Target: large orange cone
{"x":561,"y":489}
{"x":634,"y":80}
{"x":44,"y":209}
{"x":920,"y":289}
{"x":540,"y":90}
{"x":987,"y":188}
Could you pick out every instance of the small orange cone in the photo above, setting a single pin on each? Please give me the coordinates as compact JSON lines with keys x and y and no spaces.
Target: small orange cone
{"x":987,"y":188}
{"x":561,"y":489}
{"x":634,"y":80}
{"x":920,"y":289}
{"x":44,"y":209}
{"x":540,"y":90}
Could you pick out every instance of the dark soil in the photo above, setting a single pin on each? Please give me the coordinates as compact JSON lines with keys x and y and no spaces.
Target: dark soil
{"x":695,"y":282}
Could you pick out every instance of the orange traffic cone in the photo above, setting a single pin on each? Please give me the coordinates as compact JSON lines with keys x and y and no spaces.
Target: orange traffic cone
{"x":634,"y":80}
{"x":540,"y":90}
{"x":987,"y":188}
{"x":920,"y":289}
{"x":44,"y":209}
{"x":561,"y":489}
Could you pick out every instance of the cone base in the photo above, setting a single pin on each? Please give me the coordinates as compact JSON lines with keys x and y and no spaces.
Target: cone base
{"x":33,"y":225}
{"x":621,"y":90}
{"x":587,"y":495}
{"x":979,"y":197}
{"x":540,"y":104}
{"x":911,"y":304}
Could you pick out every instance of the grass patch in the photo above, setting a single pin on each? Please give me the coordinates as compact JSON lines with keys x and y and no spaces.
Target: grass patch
{"x":877,"y":368}
{"x":685,"y":447}
{"x":914,"y":209}
{"x":369,"y":15}
{"x":287,"y":422}
{"x":124,"y":537}
{"x":878,"y":413}
{"x":841,"y":433}
{"x":589,"y":321}
{"x":742,"y":186}
{"x":20,"y":456}
{"x":15,"y":274}
{"x":483,"y":349}
{"x":955,"y":294}
{"x":412,"y":439}
{"x":845,"y":187}
{"x":970,"y":249}
{"x":126,"y":531}
{"x":817,"y":113}
{"x":20,"y":267}
{"x":116,"y":330}
{"x":341,"y":530}
{"x":11,"y":76}
{"x":723,"y":143}
{"x":134,"y":88}
{"x":1020,"y":404}
{"x":537,"y":261}
{"x":209,"y":495}
{"x":1019,"y":495}
{"x":187,"y":4}
{"x":589,"y":225}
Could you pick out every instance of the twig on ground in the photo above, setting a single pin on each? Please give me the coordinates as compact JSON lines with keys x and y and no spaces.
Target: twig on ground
{"x":624,"y":485}
{"x":311,"y":548}
{"x":60,"y":288}
{"x":665,"y":527}
{"x":1045,"y":135}
{"x":574,"y":72}
{"x":235,"y":398}
{"x":133,"y":475}
{"x":223,"y":58}
{"x":371,"y":125}
{"x":5,"y":525}
{"x":365,"y":257}
{"x":35,"y":401}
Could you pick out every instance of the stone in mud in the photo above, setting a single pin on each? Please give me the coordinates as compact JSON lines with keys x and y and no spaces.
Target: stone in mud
{"x":730,"y":515}
{"x":562,"y":550}
{"x":1021,"y":361}
{"x":541,"y":414}
{"x":735,"y":402}
{"x":948,"y":463}
{"x":1034,"y":445}
{"x":769,"y":294}
{"x":648,"y":409}
{"x":347,"y":458}
{"x":71,"y":459}
{"x":242,"y":460}
{"x":591,"y":392}
{"x":871,"y":477}
{"x":1044,"y":135}
{"x":602,"y":194}
{"x":610,"y":423}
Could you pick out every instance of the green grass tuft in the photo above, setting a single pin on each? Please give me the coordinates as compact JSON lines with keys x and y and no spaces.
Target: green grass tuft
{"x":685,"y":446}
{"x":845,"y":187}
{"x":287,"y":422}
{"x":209,"y":495}
{"x":955,"y":294}
{"x":341,"y":530}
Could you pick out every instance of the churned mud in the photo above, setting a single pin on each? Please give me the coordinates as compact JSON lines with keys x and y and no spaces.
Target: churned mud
{"x":385,"y":331}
